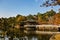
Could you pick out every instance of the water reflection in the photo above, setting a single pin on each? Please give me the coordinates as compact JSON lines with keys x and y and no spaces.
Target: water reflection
{"x":30,"y":36}
{"x":39,"y":37}
{"x":1,"y":38}
{"x":34,"y":38}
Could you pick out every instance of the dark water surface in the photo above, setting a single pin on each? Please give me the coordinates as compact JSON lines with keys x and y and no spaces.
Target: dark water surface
{"x":31,"y":35}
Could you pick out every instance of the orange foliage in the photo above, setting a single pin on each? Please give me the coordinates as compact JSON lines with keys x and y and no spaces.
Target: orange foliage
{"x":58,"y":1}
{"x":56,"y":19}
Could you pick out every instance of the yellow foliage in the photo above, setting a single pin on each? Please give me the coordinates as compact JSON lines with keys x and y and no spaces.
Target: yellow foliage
{"x":56,"y":19}
{"x":20,"y":18}
{"x":57,"y":37}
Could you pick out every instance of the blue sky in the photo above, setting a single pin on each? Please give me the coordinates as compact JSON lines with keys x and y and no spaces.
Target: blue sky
{"x":24,"y":7}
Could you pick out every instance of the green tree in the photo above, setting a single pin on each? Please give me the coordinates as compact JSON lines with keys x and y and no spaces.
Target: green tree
{"x":20,"y":18}
{"x":29,"y":17}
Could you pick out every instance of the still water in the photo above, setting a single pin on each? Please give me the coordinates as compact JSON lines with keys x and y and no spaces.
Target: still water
{"x":30,"y":36}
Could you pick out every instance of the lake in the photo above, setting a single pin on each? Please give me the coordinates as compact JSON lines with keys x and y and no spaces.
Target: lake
{"x":31,"y":35}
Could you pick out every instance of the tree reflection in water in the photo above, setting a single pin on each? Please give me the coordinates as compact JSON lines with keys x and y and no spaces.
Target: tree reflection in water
{"x":36,"y":36}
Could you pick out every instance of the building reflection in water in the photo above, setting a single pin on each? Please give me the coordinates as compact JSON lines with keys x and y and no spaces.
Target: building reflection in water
{"x":31,"y":36}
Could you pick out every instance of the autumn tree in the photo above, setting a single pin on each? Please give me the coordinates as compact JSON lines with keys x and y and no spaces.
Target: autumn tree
{"x":40,"y":17}
{"x":20,"y":18}
{"x":56,"y":18}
